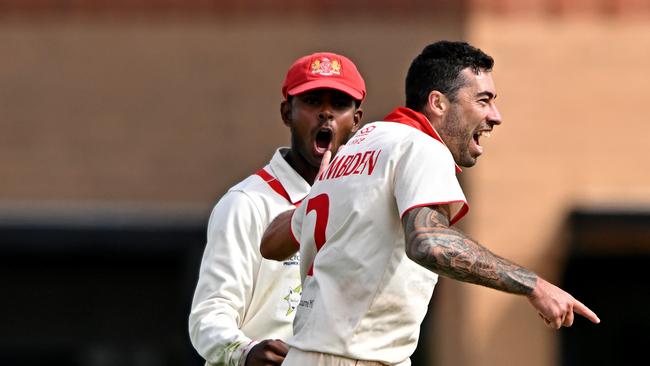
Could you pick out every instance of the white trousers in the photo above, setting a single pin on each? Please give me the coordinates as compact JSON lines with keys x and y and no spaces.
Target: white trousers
{"x":296,"y":357}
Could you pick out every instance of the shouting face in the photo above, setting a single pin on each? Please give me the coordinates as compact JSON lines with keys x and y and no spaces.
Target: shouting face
{"x":471,"y":116}
{"x":320,"y":120}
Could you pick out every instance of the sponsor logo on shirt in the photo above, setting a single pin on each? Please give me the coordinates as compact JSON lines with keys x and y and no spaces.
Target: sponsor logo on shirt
{"x":306,"y":304}
{"x":361,"y":135}
{"x":292,"y":299}
{"x":294,"y":260}
{"x":366,"y":130}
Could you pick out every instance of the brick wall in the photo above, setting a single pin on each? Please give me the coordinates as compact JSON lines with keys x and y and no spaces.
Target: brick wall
{"x":168,"y":111}
{"x":572,"y":94}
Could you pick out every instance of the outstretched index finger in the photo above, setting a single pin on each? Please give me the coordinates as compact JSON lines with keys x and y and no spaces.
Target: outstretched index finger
{"x":325,"y":162}
{"x":581,"y":309}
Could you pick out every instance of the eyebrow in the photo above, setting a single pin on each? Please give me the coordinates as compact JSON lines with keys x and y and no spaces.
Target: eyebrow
{"x":487,"y":94}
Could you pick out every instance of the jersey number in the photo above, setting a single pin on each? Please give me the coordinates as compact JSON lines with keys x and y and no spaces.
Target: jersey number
{"x":320,"y":204}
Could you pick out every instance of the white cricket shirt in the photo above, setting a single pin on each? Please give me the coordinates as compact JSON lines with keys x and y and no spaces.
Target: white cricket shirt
{"x":364,"y":298}
{"x":241,"y":297}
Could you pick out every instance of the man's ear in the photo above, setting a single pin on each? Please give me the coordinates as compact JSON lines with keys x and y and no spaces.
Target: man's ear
{"x":437,"y":103}
{"x":285,"y":112}
{"x":358,"y":114}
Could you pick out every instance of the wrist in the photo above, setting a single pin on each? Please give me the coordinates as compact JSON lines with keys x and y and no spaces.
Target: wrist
{"x":244,"y":354}
{"x":535,"y":293}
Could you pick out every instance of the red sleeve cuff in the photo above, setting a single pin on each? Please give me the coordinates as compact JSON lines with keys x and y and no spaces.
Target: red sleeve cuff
{"x":293,"y":236}
{"x":459,"y":215}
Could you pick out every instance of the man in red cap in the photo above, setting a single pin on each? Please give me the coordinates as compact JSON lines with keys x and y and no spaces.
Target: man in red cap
{"x":244,"y":305}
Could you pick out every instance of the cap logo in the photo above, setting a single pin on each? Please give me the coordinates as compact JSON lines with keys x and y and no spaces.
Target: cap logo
{"x":326,"y":67}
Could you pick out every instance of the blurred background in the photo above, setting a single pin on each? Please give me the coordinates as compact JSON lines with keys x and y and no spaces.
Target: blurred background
{"x":123,"y":121}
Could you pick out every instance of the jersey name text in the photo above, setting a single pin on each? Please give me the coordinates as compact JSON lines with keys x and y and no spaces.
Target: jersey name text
{"x":355,"y":164}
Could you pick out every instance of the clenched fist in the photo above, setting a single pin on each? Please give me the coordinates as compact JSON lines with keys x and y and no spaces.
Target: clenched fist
{"x":269,"y":352}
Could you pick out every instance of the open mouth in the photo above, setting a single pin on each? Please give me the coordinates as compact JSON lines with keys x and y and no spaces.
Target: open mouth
{"x":323,"y":140}
{"x":477,"y":136}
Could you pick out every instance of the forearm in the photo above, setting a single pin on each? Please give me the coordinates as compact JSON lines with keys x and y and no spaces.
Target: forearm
{"x":215,"y":335}
{"x":218,"y":308}
{"x":447,"y":251}
{"x":226,"y":280}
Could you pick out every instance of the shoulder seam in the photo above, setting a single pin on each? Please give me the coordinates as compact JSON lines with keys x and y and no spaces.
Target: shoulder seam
{"x":250,"y":199}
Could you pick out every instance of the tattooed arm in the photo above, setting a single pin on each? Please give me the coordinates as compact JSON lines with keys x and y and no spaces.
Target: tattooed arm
{"x":433,"y":244}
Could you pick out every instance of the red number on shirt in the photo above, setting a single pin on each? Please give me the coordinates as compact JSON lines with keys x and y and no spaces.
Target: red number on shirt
{"x":320,"y":204}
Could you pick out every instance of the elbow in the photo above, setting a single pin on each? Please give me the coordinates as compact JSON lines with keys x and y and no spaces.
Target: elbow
{"x":410,"y":254}
{"x":417,"y":251}
{"x":276,"y":240}
{"x":267,"y":250}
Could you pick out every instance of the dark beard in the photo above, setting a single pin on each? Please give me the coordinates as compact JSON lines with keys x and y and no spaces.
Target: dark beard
{"x":456,"y":139}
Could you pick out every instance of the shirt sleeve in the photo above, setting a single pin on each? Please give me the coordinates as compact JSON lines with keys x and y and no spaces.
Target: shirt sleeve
{"x":425,"y":175}
{"x":226,"y":280}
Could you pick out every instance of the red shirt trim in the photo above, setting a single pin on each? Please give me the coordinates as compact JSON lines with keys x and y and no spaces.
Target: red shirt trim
{"x":275,"y":185}
{"x":293,"y":236}
{"x":416,"y":120}
{"x":279,"y":189}
{"x":459,"y":215}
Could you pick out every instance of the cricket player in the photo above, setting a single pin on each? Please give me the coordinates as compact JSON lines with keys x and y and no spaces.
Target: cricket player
{"x":376,"y":229}
{"x":244,"y":305}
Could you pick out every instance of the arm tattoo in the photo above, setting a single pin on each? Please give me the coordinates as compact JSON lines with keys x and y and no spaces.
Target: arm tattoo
{"x":447,"y":251}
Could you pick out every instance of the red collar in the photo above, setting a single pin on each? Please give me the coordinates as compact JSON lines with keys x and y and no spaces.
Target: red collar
{"x":275,"y":184}
{"x":416,"y":120}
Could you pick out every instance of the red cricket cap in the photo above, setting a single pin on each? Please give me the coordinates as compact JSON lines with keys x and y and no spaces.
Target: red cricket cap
{"x":324,"y":70}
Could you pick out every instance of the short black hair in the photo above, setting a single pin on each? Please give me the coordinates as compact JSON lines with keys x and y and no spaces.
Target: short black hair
{"x":438,"y":68}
